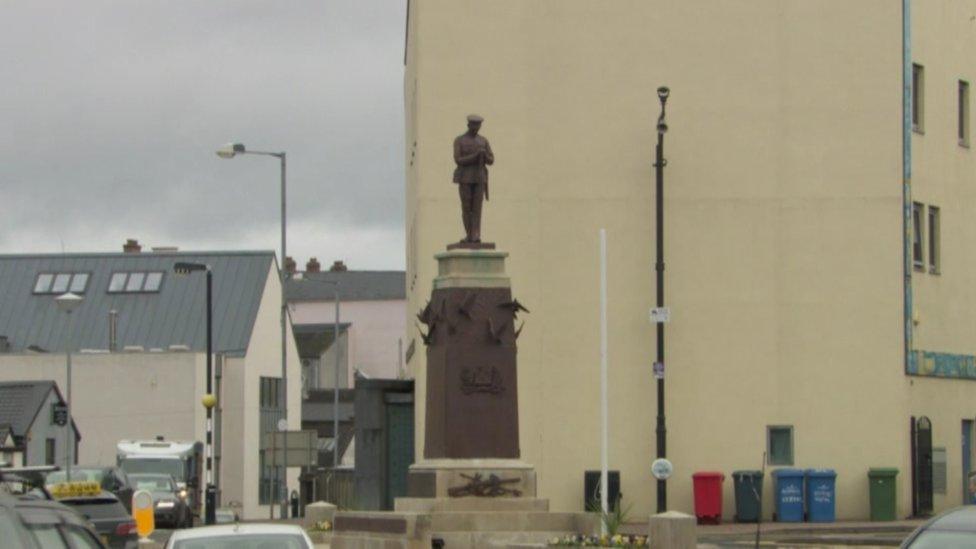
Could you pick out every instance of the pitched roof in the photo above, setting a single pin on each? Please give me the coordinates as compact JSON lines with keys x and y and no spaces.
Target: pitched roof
{"x":175,"y":315}
{"x":20,"y":401}
{"x":352,"y":286}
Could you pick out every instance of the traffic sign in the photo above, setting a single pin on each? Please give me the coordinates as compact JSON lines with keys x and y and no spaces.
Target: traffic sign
{"x":662,"y":469}
{"x":60,"y":414}
{"x":660,"y":315}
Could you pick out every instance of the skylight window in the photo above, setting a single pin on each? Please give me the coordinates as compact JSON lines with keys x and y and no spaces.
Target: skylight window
{"x":59,"y":283}
{"x":135,"y":282}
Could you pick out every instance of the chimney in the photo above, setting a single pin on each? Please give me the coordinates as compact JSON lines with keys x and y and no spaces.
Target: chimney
{"x":131,"y":246}
{"x":290,"y":265}
{"x":113,"y":330}
{"x":338,"y":266}
{"x":313,"y":266}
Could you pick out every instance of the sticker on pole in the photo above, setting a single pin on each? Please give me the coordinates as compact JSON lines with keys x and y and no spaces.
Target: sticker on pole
{"x":658,"y":370}
{"x":660,"y":315}
{"x":661,"y":469}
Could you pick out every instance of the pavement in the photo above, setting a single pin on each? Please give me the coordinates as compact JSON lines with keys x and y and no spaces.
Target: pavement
{"x":802,"y":534}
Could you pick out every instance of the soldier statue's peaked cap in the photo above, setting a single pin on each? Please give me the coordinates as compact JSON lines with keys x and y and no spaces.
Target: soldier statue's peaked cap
{"x":475,"y":118}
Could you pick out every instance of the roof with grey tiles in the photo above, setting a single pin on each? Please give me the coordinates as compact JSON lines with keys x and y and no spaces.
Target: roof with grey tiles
{"x":352,"y":286}
{"x":173,"y":316}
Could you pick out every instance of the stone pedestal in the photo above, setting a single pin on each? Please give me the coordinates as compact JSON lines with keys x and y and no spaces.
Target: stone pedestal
{"x":472,"y":391}
{"x":470,"y":490}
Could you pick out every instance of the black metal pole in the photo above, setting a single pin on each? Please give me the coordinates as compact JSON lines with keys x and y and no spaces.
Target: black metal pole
{"x":211,"y":511}
{"x":661,"y":430}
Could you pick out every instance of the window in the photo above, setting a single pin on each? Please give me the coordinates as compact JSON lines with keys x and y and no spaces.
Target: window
{"x":270,"y":389}
{"x":270,"y":412}
{"x":49,"y":446}
{"x":963,"y":123}
{"x":135,"y":282}
{"x":117,"y":283}
{"x":59,"y":283}
{"x":779,"y":441}
{"x":918,"y":98}
{"x":934,"y":248}
{"x":918,"y":257}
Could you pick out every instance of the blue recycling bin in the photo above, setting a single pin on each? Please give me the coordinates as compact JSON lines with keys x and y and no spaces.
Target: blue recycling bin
{"x":788,"y":492}
{"x":821,"y":495}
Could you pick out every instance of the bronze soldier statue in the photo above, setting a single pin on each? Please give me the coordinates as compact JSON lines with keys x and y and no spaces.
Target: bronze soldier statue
{"x":473,"y":155}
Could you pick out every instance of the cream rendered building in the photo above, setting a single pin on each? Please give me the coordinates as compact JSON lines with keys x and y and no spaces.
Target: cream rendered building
{"x":785,"y":228}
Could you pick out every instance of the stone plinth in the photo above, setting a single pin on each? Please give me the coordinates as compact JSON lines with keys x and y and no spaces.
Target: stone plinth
{"x":472,"y":380}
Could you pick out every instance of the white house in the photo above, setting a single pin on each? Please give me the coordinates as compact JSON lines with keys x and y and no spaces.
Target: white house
{"x":139,"y":361}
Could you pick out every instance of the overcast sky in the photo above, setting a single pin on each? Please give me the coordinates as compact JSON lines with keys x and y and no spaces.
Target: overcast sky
{"x":110,"y":113}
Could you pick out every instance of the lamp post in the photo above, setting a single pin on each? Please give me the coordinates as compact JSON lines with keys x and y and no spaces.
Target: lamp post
{"x":209,"y":399}
{"x":659,"y":163}
{"x":228,"y":151}
{"x":67,"y":303}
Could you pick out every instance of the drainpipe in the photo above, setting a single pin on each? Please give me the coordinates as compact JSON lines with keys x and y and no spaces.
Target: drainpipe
{"x":906,"y":143}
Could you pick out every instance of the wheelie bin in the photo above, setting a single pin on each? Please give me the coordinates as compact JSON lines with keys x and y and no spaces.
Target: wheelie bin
{"x":821,"y":495}
{"x":708,"y":496}
{"x":883,"y":493}
{"x":748,"y":495}
{"x":788,"y":492}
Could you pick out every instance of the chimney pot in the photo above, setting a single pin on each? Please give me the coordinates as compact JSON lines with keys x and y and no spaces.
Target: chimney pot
{"x":338,"y":266}
{"x":131,"y":246}
{"x":313,"y":266}
{"x":290,"y":265}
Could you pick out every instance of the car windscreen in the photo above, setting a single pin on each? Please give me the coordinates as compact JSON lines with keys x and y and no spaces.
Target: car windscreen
{"x":245,"y":541}
{"x":153,"y":484}
{"x":97,"y":508}
{"x":77,"y":475}
{"x":944,"y":539}
{"x":152,"y":465}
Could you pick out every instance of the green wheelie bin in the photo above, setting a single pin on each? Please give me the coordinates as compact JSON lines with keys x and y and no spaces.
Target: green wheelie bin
{"x":884,"y":496}
{"x":748,"y":495}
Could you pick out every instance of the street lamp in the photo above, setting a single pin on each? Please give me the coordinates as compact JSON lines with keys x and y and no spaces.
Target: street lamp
{"x":209,"y":399}
{"x":67,"y":303}
{"x":659,"y":163}
{"x":230,"y":150}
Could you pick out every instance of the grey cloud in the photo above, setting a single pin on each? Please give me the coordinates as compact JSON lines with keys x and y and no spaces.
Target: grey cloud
{"x":111,"y":112}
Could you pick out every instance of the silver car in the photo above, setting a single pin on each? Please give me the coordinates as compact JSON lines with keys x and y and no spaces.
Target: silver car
{"x":241,"y":536}
{"x":950,"y":530}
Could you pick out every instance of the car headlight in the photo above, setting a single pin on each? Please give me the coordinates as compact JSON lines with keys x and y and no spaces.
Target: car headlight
{"x":184,"y":494}
{"x":166,"y":504}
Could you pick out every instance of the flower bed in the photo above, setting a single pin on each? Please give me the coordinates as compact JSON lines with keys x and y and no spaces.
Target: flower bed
{"x":618,"y":540}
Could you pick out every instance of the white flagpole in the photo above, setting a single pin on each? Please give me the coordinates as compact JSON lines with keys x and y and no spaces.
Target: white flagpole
{"x":604,"y":484}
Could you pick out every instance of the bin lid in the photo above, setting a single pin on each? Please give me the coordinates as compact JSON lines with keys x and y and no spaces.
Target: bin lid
{"x":882,"y":472}
{"x":788,"y":472}
{"x":709,"y":474}
{"x":747,"y":473}
{"x":821,"y":473}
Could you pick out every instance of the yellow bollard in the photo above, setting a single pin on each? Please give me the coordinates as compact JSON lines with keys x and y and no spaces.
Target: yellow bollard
{"x":143,"y":513}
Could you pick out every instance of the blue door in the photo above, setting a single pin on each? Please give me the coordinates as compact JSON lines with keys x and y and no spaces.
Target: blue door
{"x":967,"y":460}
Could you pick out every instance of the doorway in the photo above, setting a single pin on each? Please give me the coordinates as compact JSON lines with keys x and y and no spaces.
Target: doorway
{"x":922,"y":462}
{"x":967,"y":461}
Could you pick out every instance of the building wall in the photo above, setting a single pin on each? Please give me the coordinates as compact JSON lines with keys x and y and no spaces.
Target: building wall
{"x":376,"y":328}
{"x":43,"y":428}
{"x":234,"y":438}
{"x":119,"y":396}
{"x":784,"y":223}
{"x":264,"y":359}
{"x":944,"y":174}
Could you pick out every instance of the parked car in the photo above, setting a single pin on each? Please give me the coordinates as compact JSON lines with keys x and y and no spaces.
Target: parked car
{"x":241,"y":536}
{"x":951,"y":529}
{"x":42,"y":524}
{"x":111,"y":478}
{"x":169,"y":502}
{"x":113,"y":523}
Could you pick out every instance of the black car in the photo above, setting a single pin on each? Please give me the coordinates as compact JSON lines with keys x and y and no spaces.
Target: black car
{"x":42,"y":524}
{"x":169,"y":501}
{"x":113,"y":523}
{"x":110,"y":478}
{"x":952,"y":529}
